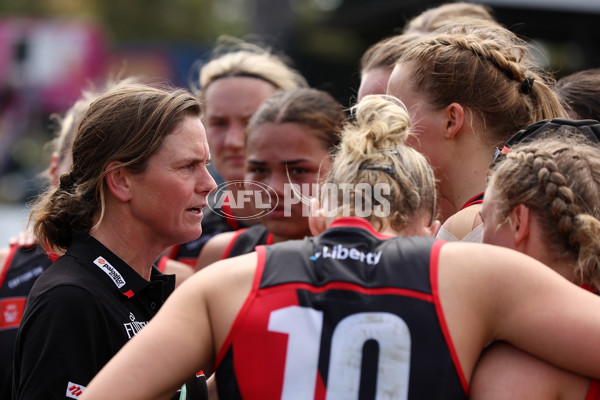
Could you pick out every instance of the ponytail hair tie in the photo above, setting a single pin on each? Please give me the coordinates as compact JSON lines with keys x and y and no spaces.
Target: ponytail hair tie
{"x":67,"y":181}
{"x":527,"y":85}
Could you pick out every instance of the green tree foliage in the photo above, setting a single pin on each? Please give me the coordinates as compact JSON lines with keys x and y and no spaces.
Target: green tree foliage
{"x":142,"y":20}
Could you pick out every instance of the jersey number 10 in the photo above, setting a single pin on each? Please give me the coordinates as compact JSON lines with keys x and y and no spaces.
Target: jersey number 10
{"x":304,"y":326}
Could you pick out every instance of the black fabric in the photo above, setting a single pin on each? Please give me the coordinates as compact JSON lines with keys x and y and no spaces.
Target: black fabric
{"x":246,"y":241}
{"x":589,"y":128}
{"x":80,"y":312}
{"x":403,"y":264}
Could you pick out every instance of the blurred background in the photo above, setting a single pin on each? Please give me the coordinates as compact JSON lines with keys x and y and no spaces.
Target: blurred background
{"x":52,"y":49}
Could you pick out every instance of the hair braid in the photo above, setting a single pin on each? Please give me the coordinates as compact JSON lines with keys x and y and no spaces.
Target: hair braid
{"x":558,"y":194}
{"x":489,"y":50}
{"x":559,"y":180}
{"x":462,"y":65}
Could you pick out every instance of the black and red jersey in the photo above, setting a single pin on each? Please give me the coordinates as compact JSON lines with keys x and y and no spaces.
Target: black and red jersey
{"x":21,"y":269}
{"x":478,"y":199}
{"x":347,"y":314}
{"x":245,"y":241}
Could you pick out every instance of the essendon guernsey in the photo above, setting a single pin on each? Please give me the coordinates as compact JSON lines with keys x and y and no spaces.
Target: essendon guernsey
{"x":347,"y":314}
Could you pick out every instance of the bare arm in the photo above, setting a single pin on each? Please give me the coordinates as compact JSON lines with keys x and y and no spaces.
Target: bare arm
{"x":213,"y":249}
{"x":506,"y":373}
{"x":196,"y":319}
{"x":490,"y":293}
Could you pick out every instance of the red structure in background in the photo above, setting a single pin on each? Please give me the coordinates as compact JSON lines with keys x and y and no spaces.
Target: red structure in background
{"x":45,"y":63}
{"x":51,"y":60}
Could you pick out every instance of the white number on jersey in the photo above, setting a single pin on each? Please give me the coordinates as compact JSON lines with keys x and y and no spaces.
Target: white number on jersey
{"x":304,"y":326}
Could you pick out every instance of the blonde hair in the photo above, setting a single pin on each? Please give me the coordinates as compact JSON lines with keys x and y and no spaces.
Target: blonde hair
{"x":236,"y":57}
{"x":373,"y":151}
{"x":449,"y":14}
{"x":387,"y":51}
{"x":490,"y":71}
{"x":559,"y":179}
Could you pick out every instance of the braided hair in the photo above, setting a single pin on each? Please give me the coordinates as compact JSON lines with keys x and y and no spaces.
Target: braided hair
{"x":487,"y":69}
{"x":559,"y":180}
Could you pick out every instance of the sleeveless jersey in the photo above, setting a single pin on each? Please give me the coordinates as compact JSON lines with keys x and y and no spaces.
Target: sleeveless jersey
{"x":474,"y":200}
{"x":594,"y":391}
{"x":347,"y":314}
{"x":21,"y":269}
{"x":246,"y":240}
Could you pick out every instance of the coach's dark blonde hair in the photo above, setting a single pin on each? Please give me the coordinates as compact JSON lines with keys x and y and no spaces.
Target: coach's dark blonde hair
{"x":373,"y":152}
{"x":313,"y":108}
{"x":489,"y":71}
{"x":559,"y":180}
{"x":128,"y":124}
{"x":66,"y":126}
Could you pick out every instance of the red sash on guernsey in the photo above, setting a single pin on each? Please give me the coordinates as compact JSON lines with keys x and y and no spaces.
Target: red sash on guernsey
{"x":475,"y":200}
{"x":594,"y":391}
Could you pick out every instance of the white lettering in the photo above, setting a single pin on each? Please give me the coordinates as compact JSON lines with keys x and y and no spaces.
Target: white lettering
{"x":382,"y":210}
{"x":34,"y":273}
{"x":243,"y":196}
{"x":258,"y":201}
{"x":339,"y":252}
{"x":133,"y":328}
{"x":223,"y":199}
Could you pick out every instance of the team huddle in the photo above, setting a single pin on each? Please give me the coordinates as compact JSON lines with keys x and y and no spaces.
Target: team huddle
{"x":255,"y":239}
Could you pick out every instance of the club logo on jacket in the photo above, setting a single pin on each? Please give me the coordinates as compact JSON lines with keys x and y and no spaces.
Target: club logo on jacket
{"x":74,"y":391}
{"x":134,"y":327}
{"x":339,"y":252}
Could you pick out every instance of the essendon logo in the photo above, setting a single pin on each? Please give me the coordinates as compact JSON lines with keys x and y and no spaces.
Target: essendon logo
{"x":74,"y":390}
{"x":11,"y":312}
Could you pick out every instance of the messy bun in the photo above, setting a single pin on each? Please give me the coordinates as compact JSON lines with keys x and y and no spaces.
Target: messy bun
{"x":376,"y":176}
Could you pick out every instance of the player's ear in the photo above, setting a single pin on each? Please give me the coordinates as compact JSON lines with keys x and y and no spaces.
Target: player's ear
{"x":455,"y":117}
{"x":316,"y":220}
{"x":520,"y":223}
{"x":433,"y":229}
